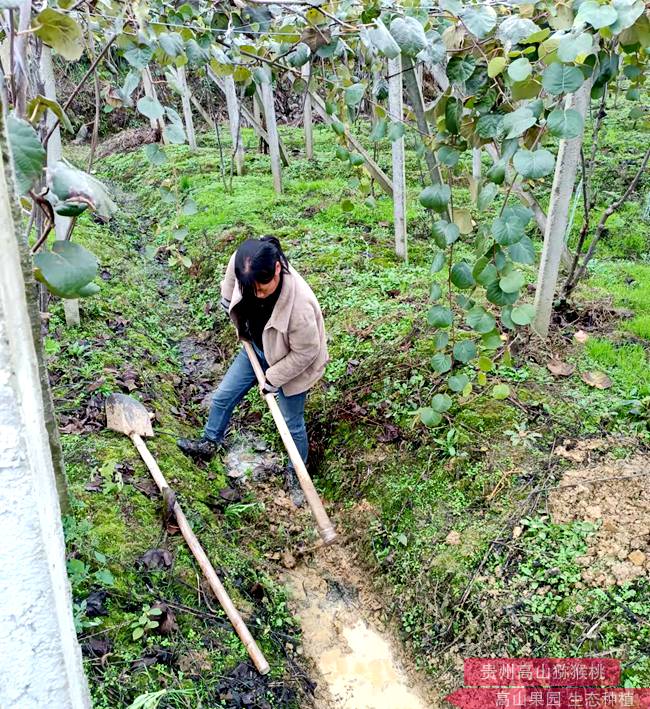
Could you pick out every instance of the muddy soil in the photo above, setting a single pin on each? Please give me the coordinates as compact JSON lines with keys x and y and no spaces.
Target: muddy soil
{"x":356,"y":659}
{"x":613,"y":494}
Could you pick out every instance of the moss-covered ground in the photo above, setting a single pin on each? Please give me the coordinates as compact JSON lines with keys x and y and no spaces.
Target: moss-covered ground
{"x":478,"y":474}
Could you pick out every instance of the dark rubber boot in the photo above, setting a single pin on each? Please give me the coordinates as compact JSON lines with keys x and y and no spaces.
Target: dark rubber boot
{"x":292,"y":486}
{"x":202,"y":448}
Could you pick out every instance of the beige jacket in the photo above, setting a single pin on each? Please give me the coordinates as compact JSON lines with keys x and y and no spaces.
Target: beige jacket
{"x":294,"y":337}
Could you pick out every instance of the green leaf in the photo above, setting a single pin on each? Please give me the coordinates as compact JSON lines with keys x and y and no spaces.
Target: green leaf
{"x":174,"y":133}
{"x":627,"y":12}
{"x":480,"y":320}
{"x":491,"y":340}
{"x":489,"y":125}
{"x":534,"y":164}
{"x":457,"y":382}
{"x":520,"y":69}
{"x":518,"y":122}
{"x":522,"y":251}
{"x":595,"y":14}
{"x":495,"y":66}
{"x":60,"y":32}
{"x":441,"y":363}
{"x":486,"y":196}
{"x":139,"y":57}
{"x":507,"y":231}
{"x":485,"y":364}
{"x":354,"y":94}
{"x":487,"y":274}
{"x":435,"y":197}
{"x":171,"y":43}
{"x":395,"y":131}
{"x":441,"y":403}
{"x":429,"y":417}
{"x":342,"y":153}
{"x":448,"y":156}
{"x":439,"y":316}
{"x":69,"y":183}
{"x":66,"y":270}
{"x":570,"y":47}
{"x":444,"y":233}
{"x":523,"y":314}
{"x":409,"y":35}
{"x":37,"y":107}
{"x":497,"y":296}
{"x":378,"y":131}
{"x":438,"y":263}
{"x":356,"y":159}
{"x":513,"y":29}
{"x":380,"y":89}
{"x":154,"y":154}
{"x":190,"y":207}
{"x":453,"y":115}
{"x":441,"y":339}
{"x":461,"y":276}
{"x":512,"y":282}
{"x":436,"y":291}
{"x":299,"y":56}
{"x":383,"y":41}
{"x":497,"y":173}
{"x":559,"y":79}
{"x":105,"y":577}
{"x":500,"y":391}
{"x":460,"y":68}
{"x":150,"y":107}
{"x":565,"y":124}
{"x":138,"y":633}
{"x":464,"y":351}
{"x":27,"y":153}
{"x":480,"y":20}
{"x":347,"y":205}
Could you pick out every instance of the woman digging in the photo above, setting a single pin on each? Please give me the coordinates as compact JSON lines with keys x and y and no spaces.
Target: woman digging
{"x":275,"y":310}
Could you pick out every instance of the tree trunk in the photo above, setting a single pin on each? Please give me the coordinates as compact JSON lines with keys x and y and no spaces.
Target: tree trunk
{"x":40,"y":664}
{"x":417,"y":104}
{"x":61,"y":224}
{"x":232,"y":103}
{"x":476,"y":163}
{"x":306,"y":116}
{"x":187,"y":107}
{"x":395,"y":108}
{"x":566,"y":167}
{"x":268,"y":104}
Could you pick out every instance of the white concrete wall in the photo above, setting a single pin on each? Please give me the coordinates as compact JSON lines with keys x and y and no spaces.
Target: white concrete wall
{"x":40,"y":659}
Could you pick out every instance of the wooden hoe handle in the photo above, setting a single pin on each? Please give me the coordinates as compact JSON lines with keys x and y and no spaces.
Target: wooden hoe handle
{"x":206,"y":567}
{"x":325,"y":527}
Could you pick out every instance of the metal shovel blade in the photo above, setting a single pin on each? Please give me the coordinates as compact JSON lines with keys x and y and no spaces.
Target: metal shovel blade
{"x":126,"y":415}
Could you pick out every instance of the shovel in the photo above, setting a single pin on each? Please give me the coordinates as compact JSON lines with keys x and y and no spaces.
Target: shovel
{"x":325,"y":527}
{"x":126,"y":415}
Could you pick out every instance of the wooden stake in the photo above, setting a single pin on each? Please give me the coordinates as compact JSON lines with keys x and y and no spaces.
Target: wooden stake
{"x":306,"y":116}
{"x":187,"y":107}
{"x":374,"y":169}
{"x":232,"y":103}
{"x":268,"y":104}
{"x":325,"y":527}
{"x":395,"y":108}
{"x":150,"y":90}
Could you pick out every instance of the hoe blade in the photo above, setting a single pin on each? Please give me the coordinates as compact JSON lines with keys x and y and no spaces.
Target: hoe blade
{"x":126,"y":415}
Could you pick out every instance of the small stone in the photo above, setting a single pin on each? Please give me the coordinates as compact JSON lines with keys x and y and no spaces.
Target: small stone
{"x":516,"y":532}
{"x":594,"y":512}
{"x":637,"y":558}
{"x":453,"y":538}
{"x":288,"y":560}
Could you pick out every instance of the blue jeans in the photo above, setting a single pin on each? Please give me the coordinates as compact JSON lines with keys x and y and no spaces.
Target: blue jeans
{"x":238,"y":380}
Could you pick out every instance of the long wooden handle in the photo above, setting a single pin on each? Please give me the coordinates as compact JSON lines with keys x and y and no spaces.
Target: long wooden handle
{"x":206,"y":567}
{"x":325,"y":526}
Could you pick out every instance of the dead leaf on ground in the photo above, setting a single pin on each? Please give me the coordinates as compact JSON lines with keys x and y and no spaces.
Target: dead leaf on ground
{"x":155,"y":559}
{"x":195,"y":662}
{"x":288,"y":560}
{"x":599,"y":380}
{"x":166,"y":620}
{"x":580,"y":336}
{"x":98,"y":646}
{"x":559,"y":368}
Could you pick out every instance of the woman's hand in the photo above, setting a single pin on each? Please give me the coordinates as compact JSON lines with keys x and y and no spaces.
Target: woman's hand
{"x":268,"y":388}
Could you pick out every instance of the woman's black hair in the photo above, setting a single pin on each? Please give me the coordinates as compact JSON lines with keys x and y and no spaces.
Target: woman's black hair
{"x":255,"y":263}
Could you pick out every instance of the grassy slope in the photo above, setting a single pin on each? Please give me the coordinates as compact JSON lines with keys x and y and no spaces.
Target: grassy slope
{"x":421,"y":484}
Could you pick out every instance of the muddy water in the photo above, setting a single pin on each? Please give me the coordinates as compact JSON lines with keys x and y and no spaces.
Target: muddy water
{"x":358,"y":665}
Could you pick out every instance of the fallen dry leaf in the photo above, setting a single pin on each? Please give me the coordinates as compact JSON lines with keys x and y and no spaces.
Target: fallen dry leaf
{"x":599,"y":380}
{"x":288,"y":560}
{"x":580,"y":336}
{"x":559,"y":368}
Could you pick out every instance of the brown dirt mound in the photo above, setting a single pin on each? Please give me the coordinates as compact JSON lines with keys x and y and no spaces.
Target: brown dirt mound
{"x":126,"y":141}
{"x":615,"y":495}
